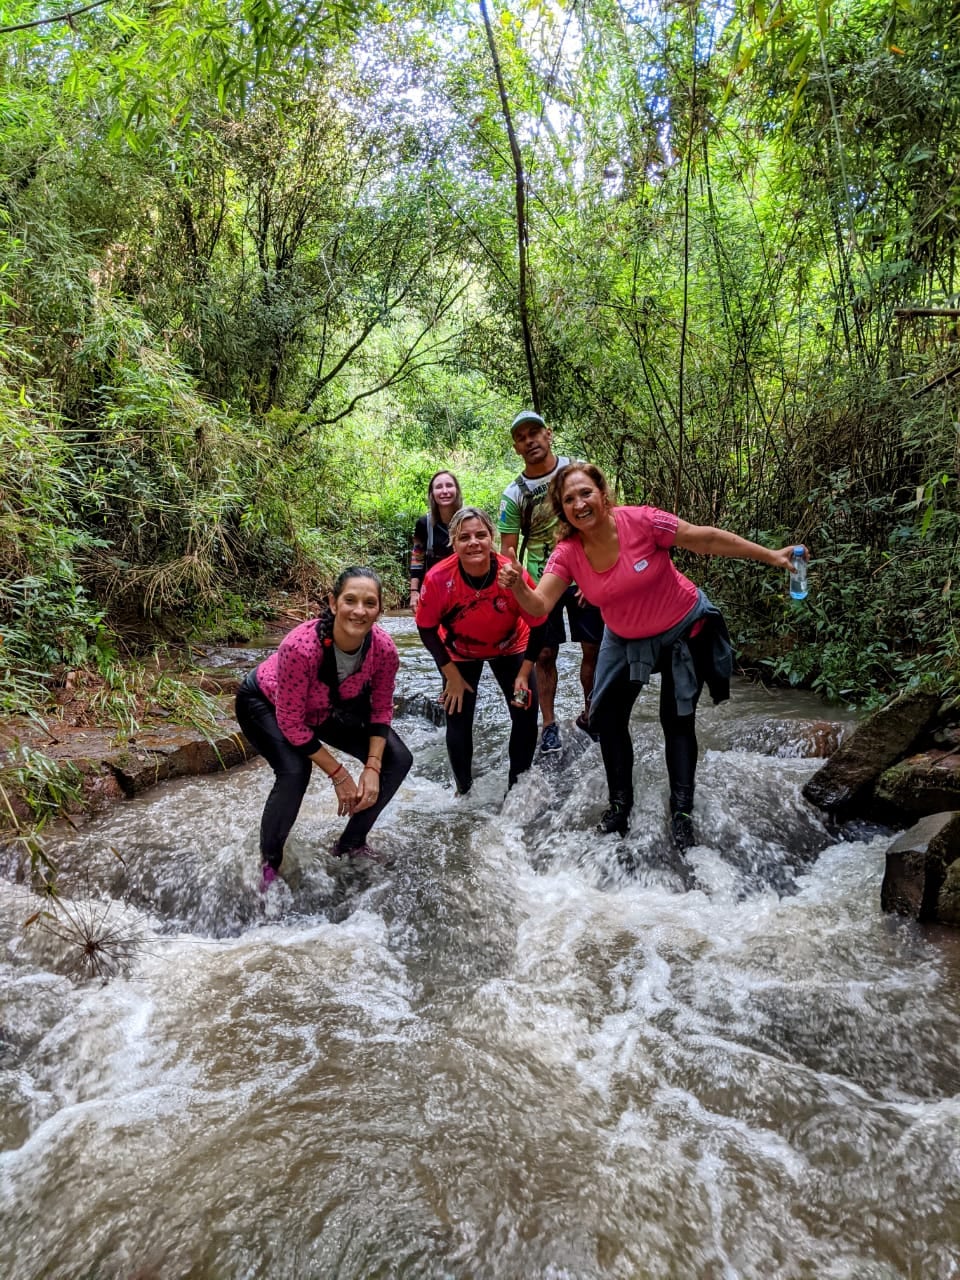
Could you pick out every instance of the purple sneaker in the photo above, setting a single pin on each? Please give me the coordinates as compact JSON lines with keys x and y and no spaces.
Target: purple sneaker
{"x":268,"y":876}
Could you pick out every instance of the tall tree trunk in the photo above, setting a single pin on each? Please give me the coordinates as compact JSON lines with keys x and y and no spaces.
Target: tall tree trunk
{"x":686,"y":272}
{"x":520,"y":186}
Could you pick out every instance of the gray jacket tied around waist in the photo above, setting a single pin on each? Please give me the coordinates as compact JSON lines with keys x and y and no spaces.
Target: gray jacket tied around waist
{"x":646,"y":655}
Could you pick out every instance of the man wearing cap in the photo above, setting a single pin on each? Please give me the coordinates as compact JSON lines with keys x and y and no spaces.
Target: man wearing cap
{"x":526,"y":525}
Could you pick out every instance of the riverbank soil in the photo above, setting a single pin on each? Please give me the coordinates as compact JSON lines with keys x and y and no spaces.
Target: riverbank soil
{"x":102,"y":762}
{"x":109,"y":743}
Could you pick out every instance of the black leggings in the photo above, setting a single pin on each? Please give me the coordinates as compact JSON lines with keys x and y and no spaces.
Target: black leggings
{"x":611,"y":720}
{"x":258,"y":720}
{"x":523,"y":722}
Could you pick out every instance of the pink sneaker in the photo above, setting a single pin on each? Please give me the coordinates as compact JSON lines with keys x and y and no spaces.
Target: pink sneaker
{"x":268,"y":876}
{"x":361,"y":851}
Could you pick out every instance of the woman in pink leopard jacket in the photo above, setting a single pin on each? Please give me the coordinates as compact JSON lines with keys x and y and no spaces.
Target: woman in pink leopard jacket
{"x":330,"y":684}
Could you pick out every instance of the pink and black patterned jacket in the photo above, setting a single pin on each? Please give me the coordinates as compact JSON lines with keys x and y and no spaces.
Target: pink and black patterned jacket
{"x":291,"y":680}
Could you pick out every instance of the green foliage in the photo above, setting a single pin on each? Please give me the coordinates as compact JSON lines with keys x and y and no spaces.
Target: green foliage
{"x":882,"y":611}
{"x":50,"y":788}
{"x":258,"y":281}
{"x":46,"y":789}
{"x":131,"y":693}
{"x":46,"y":615}
{"x":378,"y":468}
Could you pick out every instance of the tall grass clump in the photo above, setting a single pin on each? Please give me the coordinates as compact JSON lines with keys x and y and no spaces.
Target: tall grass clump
{"x":47,"y":614}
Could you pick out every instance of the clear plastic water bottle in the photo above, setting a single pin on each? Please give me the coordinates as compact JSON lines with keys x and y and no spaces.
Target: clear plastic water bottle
{"x":798,"y":574}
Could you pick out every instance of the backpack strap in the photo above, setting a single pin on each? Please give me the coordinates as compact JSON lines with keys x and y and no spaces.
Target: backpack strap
{"x":527,"y":505}
{"x":526,"y":516}
{"x":429,"y":535}
{"x":327,"y":668}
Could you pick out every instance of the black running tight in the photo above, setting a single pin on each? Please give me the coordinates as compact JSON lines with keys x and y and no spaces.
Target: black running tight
{"x":523,"y":723}
{"x":258,"y":720}
{"x":612,"y":721}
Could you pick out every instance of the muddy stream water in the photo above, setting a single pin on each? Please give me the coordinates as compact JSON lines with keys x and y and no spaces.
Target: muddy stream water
{"x":521,"y":1052}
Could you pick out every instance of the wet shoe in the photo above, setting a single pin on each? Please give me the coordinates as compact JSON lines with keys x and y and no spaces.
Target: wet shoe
{"x":360,"y":851}
{"x":268,"y":876}
{"x":583,"y":722}
{"x":683,"y":836}
{"x":550,"y":740}
{"x":616,"y":819}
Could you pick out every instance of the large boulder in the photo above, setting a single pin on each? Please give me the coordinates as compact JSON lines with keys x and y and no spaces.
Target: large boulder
{"x":845,"y":785}
{"x":922,"y":875}
{"x":171,"y":752}
{"x":948,"y":899}
{"x":924,"y":783}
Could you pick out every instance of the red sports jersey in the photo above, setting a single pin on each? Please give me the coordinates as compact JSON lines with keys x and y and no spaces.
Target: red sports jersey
{"x":472,"y":623}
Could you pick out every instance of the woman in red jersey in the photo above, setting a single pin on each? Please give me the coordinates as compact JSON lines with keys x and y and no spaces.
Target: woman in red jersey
{"x":465,"y":619}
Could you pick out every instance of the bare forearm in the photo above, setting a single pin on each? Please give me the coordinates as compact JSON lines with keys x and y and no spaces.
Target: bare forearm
{"x":538,"y":602}
{"x":705,"y":540}
{"x":325,"y":761}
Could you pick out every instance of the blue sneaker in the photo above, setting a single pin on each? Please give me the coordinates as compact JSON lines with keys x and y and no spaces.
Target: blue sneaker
{"x":550,"y":740}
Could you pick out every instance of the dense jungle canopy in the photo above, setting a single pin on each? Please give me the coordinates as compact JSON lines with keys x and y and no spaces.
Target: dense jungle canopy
{"x":265,"y":265}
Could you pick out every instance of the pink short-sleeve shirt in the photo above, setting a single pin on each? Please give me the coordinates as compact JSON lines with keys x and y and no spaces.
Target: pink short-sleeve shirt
{"x":642,"y":594}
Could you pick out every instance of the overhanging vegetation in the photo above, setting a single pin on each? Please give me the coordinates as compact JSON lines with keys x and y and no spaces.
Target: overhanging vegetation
{"x":259,"y":277}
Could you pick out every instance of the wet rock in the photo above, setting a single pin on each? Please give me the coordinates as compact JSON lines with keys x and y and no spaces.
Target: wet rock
{"x":418,"y":704}
{"x":103,"y":788}
{"x":948,"y":899}
{"x":236,"y":658}
{"x":924,"y":783}
{"x":177,"y":753}
{"x":862,"y":830}
{"x":820,"y":738}
{"x":225,"y":680}
{"x":846,"y":781}
{"x":923,"y":867}
{"x":947,"y":736}
{"x":787,"y":737}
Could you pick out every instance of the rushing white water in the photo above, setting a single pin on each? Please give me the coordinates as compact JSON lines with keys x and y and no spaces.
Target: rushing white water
{"x":521,"y":1051}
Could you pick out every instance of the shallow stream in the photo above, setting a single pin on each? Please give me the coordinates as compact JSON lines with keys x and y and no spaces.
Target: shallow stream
{"x":520,"y":1052}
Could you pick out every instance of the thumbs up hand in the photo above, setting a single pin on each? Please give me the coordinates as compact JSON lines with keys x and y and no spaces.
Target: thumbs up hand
{"x":510,"y":574}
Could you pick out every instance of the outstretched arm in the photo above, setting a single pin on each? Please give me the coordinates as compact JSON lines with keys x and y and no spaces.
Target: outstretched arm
{"x":535,"y":601}
{"x":705,"y":540}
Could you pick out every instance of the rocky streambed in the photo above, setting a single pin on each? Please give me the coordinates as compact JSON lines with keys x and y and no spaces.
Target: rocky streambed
{"x":898,"y":768}
{"x":901,"y":767}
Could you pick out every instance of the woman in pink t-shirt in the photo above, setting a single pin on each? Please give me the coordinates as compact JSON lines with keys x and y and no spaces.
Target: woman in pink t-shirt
{"x":655,"y":620}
